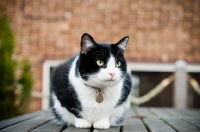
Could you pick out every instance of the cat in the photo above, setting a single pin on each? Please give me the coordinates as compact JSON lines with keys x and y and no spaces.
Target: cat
{"x":92,"y":88}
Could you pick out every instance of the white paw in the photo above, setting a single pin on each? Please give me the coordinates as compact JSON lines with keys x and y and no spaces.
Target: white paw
{"x":82,"y":123}
{"x":102,"y":124}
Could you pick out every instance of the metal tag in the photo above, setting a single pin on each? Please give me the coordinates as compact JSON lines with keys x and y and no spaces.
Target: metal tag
{"x":99,"y":97}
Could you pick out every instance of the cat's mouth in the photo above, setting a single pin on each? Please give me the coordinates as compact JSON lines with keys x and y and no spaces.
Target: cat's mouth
{"x":110,"y":80}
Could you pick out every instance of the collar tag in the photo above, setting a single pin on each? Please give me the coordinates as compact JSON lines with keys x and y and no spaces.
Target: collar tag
{"x":99,"y":96}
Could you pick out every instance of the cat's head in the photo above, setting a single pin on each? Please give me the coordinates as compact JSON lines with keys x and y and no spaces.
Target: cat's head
{"x":102,"y":64}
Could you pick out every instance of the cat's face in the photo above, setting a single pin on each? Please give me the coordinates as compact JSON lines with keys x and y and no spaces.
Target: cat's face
{"x":102,"y":64}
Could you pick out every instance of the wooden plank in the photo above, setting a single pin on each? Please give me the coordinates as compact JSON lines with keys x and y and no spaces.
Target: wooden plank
{"x":182,"y":126}
{"x":30,"y":124}
{"x":192,"y":112}
{"x":133,"y":124}
{"x":74,"y":129}
{"x":195,"y":122}
{"x":51,"y":126}
{"x":18,"y":119}
{"x":157,"y":125}
{"x":145,"y":112}
{"x":182,"y":120}
{"x":177,"y":113}
{"x":160,"y":113}
{"x":111,"y":129}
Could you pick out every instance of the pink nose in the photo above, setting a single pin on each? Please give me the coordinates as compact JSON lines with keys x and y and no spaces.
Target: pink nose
{"x":111,"y":74}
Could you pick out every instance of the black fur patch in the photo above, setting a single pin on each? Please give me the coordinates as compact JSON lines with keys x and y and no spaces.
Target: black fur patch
{"x":125,"y":90}
{"x":77,"y":72}
{"x":64,"y":90}
{"x":59,"y":117}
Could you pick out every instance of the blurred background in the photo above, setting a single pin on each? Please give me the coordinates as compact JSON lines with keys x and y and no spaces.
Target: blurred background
{"x":47,"y":32}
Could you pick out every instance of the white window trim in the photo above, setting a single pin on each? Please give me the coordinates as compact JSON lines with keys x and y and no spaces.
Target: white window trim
{"x":150,"y":67}
{"x":160,"y":67}
{"x":46,"y":80}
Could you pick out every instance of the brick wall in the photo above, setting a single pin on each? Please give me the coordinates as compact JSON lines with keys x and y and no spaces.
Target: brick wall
{"x":160,"y":30}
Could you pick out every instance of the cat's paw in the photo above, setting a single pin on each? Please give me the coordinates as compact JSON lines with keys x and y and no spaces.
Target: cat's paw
{"x":82,"y":123}
{"x":102,"y":124}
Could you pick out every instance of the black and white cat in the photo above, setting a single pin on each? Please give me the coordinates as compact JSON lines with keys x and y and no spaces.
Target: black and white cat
{"x":92,"y":88}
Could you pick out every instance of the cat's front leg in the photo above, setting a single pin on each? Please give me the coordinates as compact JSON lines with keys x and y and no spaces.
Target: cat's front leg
{"x":102,"y":124}
{"x":82,"y":123}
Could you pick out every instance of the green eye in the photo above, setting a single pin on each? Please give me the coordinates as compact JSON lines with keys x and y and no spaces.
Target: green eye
{"x":118,"y":64}
{"x":100,"y":62}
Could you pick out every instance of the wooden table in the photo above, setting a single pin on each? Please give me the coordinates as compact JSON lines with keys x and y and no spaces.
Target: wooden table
{"x":137,"y":119}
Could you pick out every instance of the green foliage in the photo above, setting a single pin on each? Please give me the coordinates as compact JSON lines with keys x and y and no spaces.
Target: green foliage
{"x":26,"y":85}
{"x":13,"y":99}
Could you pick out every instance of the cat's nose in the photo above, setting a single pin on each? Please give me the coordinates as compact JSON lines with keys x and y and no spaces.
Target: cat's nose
{"x":111,"y":74}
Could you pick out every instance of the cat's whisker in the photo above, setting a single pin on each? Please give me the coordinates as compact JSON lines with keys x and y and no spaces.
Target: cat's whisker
{"x":93,"y":83}
{"x":85,"y":74}
{"x":117,"y":53}
{"x":129,"y":88}
{"x":97,"y":52}
{"x":99,"y":55}
{"x":82,"y":71}
{"x":129,"y":80}
{"x":120,"y":58}
{"x":135,"y":93}
{"x":102,"y":51}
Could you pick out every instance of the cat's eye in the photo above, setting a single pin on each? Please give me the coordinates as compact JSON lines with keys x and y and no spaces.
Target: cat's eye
{"x":118,"y":64}
{"x":100,"y":62}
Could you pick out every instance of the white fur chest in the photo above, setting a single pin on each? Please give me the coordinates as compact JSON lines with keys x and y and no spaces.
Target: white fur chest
{"x":91,"y":110}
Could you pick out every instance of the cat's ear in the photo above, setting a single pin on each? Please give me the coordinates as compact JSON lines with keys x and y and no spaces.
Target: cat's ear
{"x":87,"y":43}
{"x":123,"y":42}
